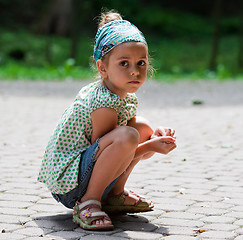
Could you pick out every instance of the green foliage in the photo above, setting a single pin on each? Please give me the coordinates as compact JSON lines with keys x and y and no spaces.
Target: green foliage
{"x":15,"y":70}
{"x":172,"y":58}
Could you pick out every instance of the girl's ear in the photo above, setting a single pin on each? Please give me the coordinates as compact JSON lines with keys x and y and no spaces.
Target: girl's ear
{"x":101,"y":68}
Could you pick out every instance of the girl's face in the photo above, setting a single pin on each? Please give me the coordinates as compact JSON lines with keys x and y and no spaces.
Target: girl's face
{"x":124,"y":69}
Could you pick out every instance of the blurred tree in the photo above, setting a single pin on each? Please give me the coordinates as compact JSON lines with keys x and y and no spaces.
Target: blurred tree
{"x":56,"y":17}
{"x":75,"y":26}
{"x":217,"y":11}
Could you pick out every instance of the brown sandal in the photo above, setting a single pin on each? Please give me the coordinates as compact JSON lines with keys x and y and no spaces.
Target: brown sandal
{"x":114,"y":204}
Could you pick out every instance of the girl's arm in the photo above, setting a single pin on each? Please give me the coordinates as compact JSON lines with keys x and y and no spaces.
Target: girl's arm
{"x":157,"y":144}
{"x":161,"y":141}
{"x":104,"y":120}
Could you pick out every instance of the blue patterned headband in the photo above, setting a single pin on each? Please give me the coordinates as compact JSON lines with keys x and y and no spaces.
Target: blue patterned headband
{"x":114,"y":33}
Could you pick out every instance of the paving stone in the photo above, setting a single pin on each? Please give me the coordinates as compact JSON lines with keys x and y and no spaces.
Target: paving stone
{"x":234,"y":201}
{"x":14,"y":204}
{"x":97,"y":237}
{"x":235,"y":214}
{"x":177,"y":222}
{"x":139,"y":235}
{"x":178,"y":237}
{"x":218,"y":234}
{"x":101,"y":233}
{"x":11,"y":236}
{"x":24,"y":186}
{"x":176,"y":201}
{"x":33,"y":231}
{"x":129,"y":218}
{"x":217,"y":205}
{"x":207,"y":211}
{"x":160,"y":195}
{"x":230,"y":195}
{"x":5,"y":227}
{"x":24,"y":191}
{"x":42,"y":224}
{"x":239,"y":238}
{"x":218,"y":219}
{"x":171,"y":207}
{"x":232,"y":189}
{"x":157,"y":188}
{"x":220,"y":227}
{"x":194,"y":191}
{"x":45,"y":201}
{"x":66,"y":235}
{"x":153,"y":213}
{"x":38,"y":238}
{"x":17,"y":211}
{"x":199,"y":186}
{"x":237,"y":208}
{"x":136,"y":226}
{"x":57,"y":225}
{"x":182,"y":215}
{"x":4,"y":218}
{"x":239,"y":222}
{"x":174,"y":230}
{"x":203,"y":198}
{"x":19,"y":197}
{"x":49,"y":208}
{"x":239,"y":231}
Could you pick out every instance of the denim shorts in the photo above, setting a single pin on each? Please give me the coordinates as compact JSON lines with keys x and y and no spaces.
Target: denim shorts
{"x":86,"y":166}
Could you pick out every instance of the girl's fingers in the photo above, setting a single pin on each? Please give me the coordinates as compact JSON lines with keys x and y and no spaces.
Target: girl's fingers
{"x":161,"y":132}
{"x":168,"y":140}
{"x":168,"y":132}
{"x":172,"y":132}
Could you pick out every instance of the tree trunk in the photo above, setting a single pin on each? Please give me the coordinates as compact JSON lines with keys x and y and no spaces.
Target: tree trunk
{"x":216,"y":34}
{"x":56,"y":18}
{"x":75,"y":27}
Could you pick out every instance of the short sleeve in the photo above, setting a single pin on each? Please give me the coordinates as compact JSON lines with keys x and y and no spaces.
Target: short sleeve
{"x":102,"y":97}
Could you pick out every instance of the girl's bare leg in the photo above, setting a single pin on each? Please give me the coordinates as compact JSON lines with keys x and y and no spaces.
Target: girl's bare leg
{"x":117,"y":150}
{"x":145,"y":132}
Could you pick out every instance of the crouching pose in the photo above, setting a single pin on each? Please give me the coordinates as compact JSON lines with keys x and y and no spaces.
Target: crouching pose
{"x":99,"y":139}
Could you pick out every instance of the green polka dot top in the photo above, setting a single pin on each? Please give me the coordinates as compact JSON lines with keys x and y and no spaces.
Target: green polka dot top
{"x":72,"y":135}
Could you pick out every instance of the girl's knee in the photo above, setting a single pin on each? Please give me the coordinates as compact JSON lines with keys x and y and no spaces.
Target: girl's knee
{"x":127,"y":136}
{"x":143,"y":127}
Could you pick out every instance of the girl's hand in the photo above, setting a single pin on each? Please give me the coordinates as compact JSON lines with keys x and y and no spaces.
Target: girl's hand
{"x":164,"y":131}
{"x":162,"y":144}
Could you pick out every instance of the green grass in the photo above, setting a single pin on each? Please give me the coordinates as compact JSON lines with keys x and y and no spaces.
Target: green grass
{"x":12,"y":71}
{"x":182,"y":58}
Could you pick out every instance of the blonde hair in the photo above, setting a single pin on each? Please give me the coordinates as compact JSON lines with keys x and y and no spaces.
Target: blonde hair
{"x":107,"y":17}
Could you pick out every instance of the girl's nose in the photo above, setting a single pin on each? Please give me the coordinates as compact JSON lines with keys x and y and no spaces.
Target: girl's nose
{"x":134,"y":71}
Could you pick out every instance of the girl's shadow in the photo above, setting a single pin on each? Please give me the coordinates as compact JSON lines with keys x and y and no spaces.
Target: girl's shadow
{"x":58,"y":225}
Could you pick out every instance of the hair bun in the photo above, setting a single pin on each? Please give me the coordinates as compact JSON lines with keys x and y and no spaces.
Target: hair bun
{"x":108,"y":17}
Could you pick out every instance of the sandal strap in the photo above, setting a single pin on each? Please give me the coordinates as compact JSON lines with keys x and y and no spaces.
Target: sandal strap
{"x":94,"y":217}
{"x":99,"y":214}
{"x":88,"y":203}
{"x":88,"y":217}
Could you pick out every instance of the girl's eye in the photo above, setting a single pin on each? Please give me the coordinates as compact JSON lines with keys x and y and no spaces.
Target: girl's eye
{"x":141,"y":63}
{"x":124,"y":63}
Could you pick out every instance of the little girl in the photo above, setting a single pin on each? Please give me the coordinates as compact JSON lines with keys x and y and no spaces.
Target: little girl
{"x":99,"y":139}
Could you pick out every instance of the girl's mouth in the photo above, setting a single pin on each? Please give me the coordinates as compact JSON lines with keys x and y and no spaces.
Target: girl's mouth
{"x":134,"y":82}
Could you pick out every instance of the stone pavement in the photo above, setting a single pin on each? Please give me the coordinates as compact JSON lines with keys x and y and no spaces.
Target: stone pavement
{"x":197,"y":189}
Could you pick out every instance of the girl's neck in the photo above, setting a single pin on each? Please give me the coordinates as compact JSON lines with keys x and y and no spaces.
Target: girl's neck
{"x":120,"y":94}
